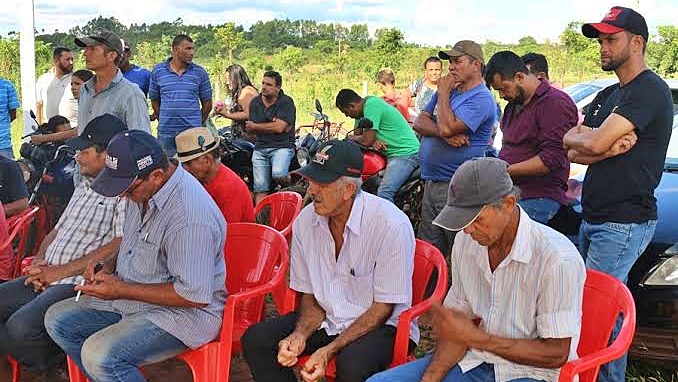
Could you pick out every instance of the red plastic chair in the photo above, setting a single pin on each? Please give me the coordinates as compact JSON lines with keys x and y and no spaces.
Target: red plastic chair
{"x":284,"y":208}
{"x":251,"y":252}
{"x":426,"y":258}
{"x":605,"y":297}
{"x":19,"y":226}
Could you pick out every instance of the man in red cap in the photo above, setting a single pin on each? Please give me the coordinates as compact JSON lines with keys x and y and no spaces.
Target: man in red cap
{"x":623,"y":139}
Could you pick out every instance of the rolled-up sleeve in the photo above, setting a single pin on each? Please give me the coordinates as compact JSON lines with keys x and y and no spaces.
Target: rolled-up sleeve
{"x":192,"y":253}
{"x":555,"y":117}
{"x":559,"y":306}
{"x":394,"y":266}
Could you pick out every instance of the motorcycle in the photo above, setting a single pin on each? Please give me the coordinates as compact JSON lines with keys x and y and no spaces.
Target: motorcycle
{"x":407,"y":198}
{"x":48,"y":172}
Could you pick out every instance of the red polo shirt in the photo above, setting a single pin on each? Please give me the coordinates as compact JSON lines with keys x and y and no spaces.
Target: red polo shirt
{"x":232,"y":196}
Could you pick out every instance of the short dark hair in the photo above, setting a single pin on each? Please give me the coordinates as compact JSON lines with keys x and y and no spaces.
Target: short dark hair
{"x":537,"y":63}
{"x":275,"y":75}
{"x":386,"y":76}
{"x":179,"y":39}
{"x":56,"y":120}
{"x":58,"y":50}
{"x":432,"y":59}
{"x":506,"y":64}
{"x":83,"y":74}
{"x":346,"y":97}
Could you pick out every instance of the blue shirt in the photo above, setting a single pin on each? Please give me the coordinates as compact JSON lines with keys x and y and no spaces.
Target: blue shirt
{"x":179,"y":96}
{"x":139,"y":76}
{"x":8,"y":101}
{"x":478,"y":110}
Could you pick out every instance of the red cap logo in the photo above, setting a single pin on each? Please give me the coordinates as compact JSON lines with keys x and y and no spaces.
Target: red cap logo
{"x":612,"y":14}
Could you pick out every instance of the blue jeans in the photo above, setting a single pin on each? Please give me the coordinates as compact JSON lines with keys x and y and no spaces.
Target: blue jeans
{"x":613,"y":248}
{"x":105,"y":346}
{"x":268,"y":164}
{"x":169,"y":144}
{"x":398,"y":169}
{"x":540,"y":209}
{"x":22,"y":328}
{"x":413,"y":371}
{"x":7,"y":153}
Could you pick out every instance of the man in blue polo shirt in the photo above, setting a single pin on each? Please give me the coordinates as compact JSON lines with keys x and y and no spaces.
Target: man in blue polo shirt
{"x":455,"y":126}
{"x":9,"y":102}
{"x":178,"y":89}
{"x":133,"y":73}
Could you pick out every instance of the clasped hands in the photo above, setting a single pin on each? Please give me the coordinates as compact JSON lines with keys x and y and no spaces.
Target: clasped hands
{"x":314,"y":368}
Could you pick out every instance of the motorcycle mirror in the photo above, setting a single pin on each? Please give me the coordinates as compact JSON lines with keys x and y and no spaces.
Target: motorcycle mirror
{"x":318,"y":106}
{"x":32,"y":114}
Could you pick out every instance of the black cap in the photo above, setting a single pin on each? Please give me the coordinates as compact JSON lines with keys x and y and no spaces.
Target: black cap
{"x":100,"y":130}
{"x":105,"y":37}
{"x":334,"y":159}
{"x":129,"y":155}
{"x":617,"y":19}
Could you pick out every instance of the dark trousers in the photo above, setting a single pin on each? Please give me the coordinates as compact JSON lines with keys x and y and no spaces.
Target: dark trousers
{"x":356,"y":362}
{"x":22,"y":328}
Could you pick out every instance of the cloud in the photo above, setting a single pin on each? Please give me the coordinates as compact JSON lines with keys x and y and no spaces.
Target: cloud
{"x":426,"y":22}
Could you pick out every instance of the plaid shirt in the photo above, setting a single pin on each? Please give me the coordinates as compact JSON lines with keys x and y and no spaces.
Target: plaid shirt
{"x":89,"y":222}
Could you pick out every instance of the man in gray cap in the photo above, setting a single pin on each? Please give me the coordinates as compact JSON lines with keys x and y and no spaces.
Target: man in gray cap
{"x":108,"y":91}
{"x":522,"y":281}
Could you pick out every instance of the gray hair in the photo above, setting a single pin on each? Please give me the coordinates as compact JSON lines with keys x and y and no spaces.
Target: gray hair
{"x":515,"y":191}
{"x":358,"y":182}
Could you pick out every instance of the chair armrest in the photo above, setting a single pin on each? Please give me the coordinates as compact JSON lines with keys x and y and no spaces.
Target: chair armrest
{"x":612,"y":352}
{"x":401,"y":344}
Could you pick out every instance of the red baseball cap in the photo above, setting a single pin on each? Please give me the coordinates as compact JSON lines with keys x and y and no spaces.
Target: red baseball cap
{"x":617,"y":19}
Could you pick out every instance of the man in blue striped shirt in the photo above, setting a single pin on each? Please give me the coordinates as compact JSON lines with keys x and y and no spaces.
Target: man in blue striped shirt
{"x":180,"y":93}
{"x":168,"y":290}
{"x":9,"y":102}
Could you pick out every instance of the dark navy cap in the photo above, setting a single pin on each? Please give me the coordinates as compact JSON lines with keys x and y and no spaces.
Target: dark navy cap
{"x":100,"y":130}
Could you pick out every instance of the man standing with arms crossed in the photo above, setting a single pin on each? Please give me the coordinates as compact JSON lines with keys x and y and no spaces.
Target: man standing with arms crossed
{"x":623,"y":140}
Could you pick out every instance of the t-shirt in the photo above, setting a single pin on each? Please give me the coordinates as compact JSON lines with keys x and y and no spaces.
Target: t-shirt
{"x":180,"y":97}
{"x":12,"y":186}
{"x":232,"y":196}
{"x":8,"y":101}
{"x":139,"y":76}
{"x":49,"y":89}
{"x":621,"y":189}
{"x":399,"y":103}
{"x":477,"y":109}
{"x":422,"y":94}
{"x":391,"y":128}
{"x":283,"y":108}
{"x":68,"y":107}
{"x":538,"y":130}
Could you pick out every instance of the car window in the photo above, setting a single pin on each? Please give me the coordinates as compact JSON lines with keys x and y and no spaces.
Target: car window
{"x":580,"y":91}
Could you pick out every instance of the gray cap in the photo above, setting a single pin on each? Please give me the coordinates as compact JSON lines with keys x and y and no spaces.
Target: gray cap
{"x":104,"y":37}
{"x":476,"y":183}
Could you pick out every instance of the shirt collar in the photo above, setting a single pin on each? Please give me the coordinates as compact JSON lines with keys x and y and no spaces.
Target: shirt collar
{"x":355,"y":219}
{"x":521,"y":251}
{"x":167,"y":64}
{"x":90,"y":83}
{"x":542,"y":88}
{"x":162,"y":196}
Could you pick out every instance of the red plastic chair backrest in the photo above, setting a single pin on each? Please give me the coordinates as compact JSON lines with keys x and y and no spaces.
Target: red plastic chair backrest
{"x":605,"y":298}
{"x":251,"y":253}
{"x":19,"y":225}
{"x":426,"y":258}
{"x":284,"y":208}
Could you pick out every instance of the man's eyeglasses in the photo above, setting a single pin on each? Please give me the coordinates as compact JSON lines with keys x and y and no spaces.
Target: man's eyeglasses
{"x":132,"y":186}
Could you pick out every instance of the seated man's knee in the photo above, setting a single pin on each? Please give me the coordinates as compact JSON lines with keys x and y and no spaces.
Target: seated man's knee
{"x":97,"y":357}
{"x":353,"y":367}
{"x":256,"y":337}
{"x":55,"y":317}
{"x":19,"y":329}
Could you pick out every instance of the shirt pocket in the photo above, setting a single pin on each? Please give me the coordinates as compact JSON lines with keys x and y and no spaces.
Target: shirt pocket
{"x":145,"y":265}
{"x":360,"y":289}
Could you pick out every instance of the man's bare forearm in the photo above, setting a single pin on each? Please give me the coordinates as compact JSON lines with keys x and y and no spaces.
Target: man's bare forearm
{"x":446,"y":356}
{"x":547,"y":353}
{"x":373,"y":318}
{"x":45,"y":244}
{"x":425,"y":126}
{"x":309,"y":315}
{"x":106,"y":251}
{"x":206,"y":108}
{"x":278,"y":126}
{"x":531,"y":167}
{"x":16,"y":207}
{"x":158,"y":294}
{"x":576,"y":157}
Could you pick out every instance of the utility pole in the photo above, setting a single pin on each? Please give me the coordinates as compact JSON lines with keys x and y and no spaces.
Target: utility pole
{"x":27,"y":61}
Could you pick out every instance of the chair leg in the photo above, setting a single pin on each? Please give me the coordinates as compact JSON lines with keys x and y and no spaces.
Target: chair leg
{"x":16,"y":369}
{"x":74,"y":373}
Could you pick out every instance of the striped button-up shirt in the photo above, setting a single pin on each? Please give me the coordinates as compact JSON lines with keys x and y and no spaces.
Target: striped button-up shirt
{"x":89,"y":222}
{"x":535,"y":292}
{"x":8,"y":101}
{"x":179,"y":96}
{"x":179,"y":240}
{"x":375,"y":262}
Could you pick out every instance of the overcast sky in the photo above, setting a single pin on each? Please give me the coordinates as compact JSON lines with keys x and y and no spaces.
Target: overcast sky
{"x":427,"y":22}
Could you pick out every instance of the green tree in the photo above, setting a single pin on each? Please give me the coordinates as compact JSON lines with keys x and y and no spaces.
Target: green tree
{"x":99,"y":23}
{"x":148,"y":53}
{"x":389,"y":46}
{"x":290,"y":59}
{"x":665,"y":50}
{"x":229,"y":38}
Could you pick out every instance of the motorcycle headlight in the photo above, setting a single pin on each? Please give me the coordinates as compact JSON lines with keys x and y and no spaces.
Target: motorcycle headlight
{"x":303,"y":157}
{"x":664,"y":273}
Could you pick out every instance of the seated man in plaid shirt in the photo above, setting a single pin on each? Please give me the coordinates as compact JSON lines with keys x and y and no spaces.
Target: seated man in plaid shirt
{"x":89,"y":230}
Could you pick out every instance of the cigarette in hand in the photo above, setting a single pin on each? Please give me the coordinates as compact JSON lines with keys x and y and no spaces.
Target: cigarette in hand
{"x":77,"y":296}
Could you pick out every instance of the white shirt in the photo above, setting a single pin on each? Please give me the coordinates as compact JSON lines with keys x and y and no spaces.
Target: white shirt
{"x":68,"y":107}
{"x":535,"y":292}
{"x":49,"y":90}
{"x":375,"y":263}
